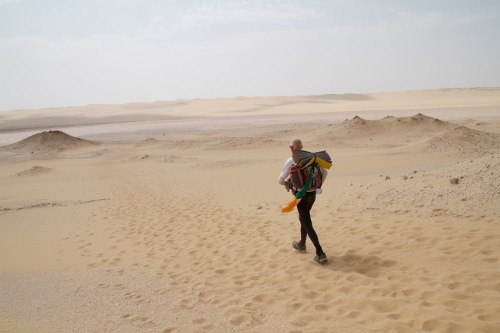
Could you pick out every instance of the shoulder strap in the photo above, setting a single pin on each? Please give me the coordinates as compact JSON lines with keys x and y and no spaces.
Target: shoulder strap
{"x":300,"y":194}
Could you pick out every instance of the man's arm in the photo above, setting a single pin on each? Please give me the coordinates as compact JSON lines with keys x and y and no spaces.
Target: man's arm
{"x":284,"y":172}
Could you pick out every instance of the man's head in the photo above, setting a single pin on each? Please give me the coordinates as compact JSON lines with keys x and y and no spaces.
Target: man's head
{"x":295,"y":144}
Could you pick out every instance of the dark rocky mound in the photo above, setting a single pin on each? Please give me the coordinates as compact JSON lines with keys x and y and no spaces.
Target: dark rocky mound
{"x":51,"y":141}
{"x":36,"y":170}
{"x":359,"y":127}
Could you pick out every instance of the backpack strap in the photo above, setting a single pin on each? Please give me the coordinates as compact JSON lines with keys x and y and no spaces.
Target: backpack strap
{"x":300,"y":194}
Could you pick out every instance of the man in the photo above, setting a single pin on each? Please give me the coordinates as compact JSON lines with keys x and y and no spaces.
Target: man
{"x":304,"y":208}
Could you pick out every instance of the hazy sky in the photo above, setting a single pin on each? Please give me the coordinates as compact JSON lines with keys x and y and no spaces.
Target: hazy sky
{"x":76,"y":52}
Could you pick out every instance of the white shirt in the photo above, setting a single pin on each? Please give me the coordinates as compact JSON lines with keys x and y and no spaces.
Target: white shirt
{"x":284,"y":172}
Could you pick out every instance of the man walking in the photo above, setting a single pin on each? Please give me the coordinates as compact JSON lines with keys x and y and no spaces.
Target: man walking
{"x":304,"y":208}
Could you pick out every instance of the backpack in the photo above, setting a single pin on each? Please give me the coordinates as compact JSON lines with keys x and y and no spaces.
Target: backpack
{"x":298,"y":176}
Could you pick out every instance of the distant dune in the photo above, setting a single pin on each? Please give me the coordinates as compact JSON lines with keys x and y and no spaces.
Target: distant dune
{"x":388,"y":102}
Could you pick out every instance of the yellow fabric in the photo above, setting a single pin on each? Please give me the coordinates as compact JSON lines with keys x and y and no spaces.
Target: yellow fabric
{"x":319,"y":161}
{"x":322,"y":163}
{"x":291,"y":204}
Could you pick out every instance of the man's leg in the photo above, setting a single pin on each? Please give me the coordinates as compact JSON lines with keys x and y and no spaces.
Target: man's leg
{"x":304,"y":208}
{"x":303,"y":233}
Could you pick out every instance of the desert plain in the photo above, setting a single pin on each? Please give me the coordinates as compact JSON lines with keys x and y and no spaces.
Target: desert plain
{"x":164,"y":216}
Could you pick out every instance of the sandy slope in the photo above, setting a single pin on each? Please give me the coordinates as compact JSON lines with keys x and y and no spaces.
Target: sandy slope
{"x":175,"y":226}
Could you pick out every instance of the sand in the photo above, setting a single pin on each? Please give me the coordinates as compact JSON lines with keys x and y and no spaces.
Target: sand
{"x":164,"y":217}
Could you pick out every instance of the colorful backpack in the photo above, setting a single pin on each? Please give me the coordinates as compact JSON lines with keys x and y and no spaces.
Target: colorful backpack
{"x":298,"y":176}
{"x":306,"y":161}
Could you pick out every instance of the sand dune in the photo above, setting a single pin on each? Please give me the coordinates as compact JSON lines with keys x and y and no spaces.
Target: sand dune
{"x":482,"y":102}
{"x":466,"y":141}
{"x":174,"y":226}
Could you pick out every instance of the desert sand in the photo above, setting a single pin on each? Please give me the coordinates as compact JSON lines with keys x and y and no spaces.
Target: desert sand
{"x":164,"y":217}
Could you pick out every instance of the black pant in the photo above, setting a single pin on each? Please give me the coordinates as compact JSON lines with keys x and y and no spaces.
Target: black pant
{"x":306,"y":227}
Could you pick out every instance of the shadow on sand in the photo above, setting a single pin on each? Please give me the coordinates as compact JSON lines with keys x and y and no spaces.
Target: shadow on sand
{"x":361,"y":264}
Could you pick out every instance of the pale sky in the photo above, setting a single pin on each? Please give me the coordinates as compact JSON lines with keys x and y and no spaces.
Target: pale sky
{"x":56,"y":53}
